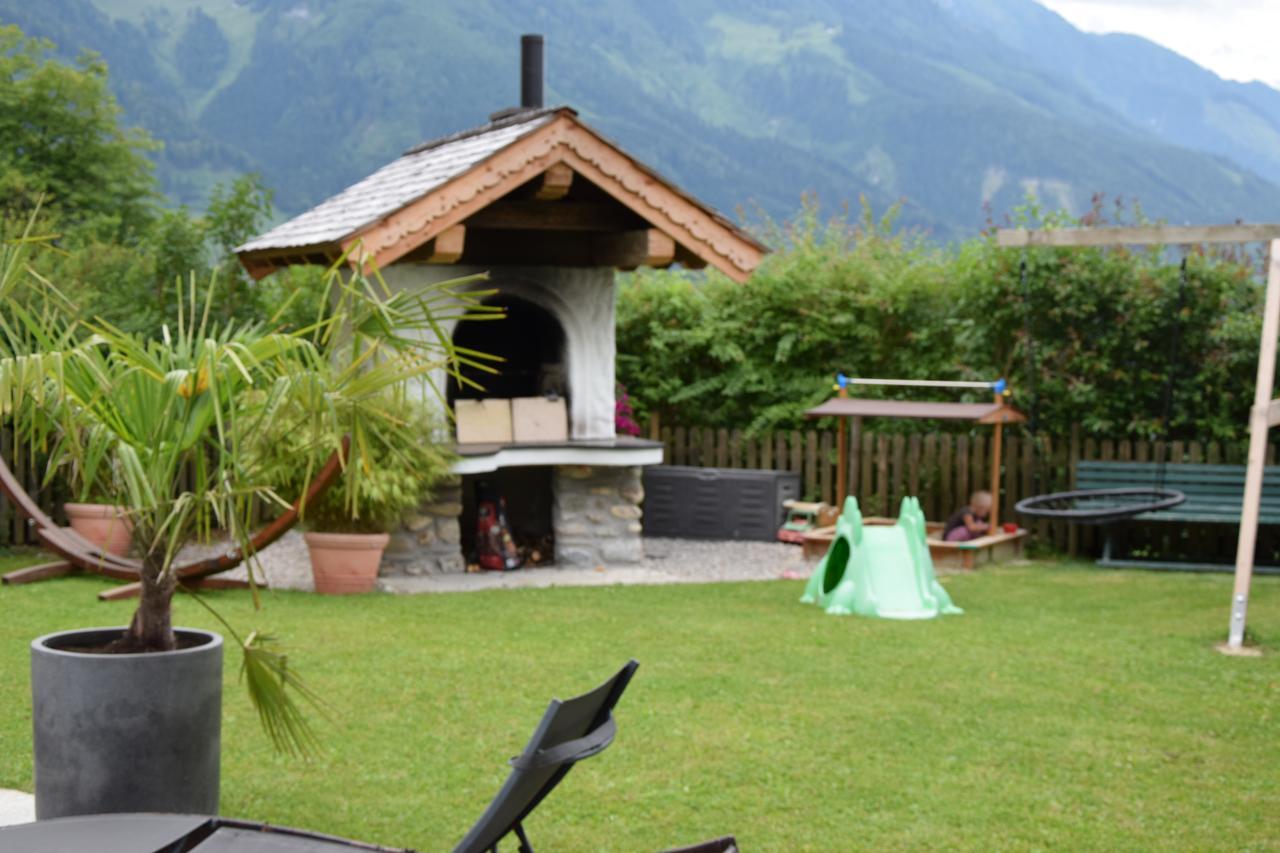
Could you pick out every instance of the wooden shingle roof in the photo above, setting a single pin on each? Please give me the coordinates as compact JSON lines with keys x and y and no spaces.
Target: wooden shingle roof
{"x":436,"y":186}
{"x":418,"y":171}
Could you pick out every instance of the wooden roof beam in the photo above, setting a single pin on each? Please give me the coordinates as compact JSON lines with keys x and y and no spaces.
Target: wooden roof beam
{"x":688,"y":259}
{"x":263,"y":263}
{"x":630,"y":249}
{"x":556,"y":182}
{"x":447,"y":246}
{"x":1147,"y":235}
{"x":625,"y":250}
{"x":562,"y":216}
{"x":258,"y":269}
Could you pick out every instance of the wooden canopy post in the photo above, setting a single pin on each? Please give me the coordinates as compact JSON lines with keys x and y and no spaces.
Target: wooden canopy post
{"x":995,"y":471}
{"x":1261,"y":418}
{"x":855,"y":460}
{"x":842,"y":456}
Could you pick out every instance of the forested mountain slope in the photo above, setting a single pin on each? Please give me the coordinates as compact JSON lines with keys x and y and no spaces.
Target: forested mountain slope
{"x":954,"y":106}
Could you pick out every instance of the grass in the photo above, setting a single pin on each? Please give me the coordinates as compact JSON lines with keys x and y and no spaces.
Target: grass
{"x":1068,"y":708}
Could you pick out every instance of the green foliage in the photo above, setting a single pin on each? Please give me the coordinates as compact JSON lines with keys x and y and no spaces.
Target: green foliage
{"x":402,"y":468}
{"x":63,"y":149}
{"x":860,"y":299}
{"x":837,"y":297}
{"x":131,"y":286}
{"x":61,"y":140}
{"x":1102,"y":329}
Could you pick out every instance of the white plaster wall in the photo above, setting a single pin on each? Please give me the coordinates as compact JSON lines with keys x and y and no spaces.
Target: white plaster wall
{"x":582,"y":300}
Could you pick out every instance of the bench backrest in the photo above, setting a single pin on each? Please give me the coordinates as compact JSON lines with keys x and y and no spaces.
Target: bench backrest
{"x":1214,"y":492}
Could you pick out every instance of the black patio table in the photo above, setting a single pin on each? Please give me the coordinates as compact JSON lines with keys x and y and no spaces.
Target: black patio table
{"x":170,"y":833}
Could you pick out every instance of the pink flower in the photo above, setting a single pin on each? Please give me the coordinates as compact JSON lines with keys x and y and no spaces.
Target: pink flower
{"x":624,"y":422}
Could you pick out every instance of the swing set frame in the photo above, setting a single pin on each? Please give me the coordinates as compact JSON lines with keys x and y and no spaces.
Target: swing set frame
{"x":1265,"y":412}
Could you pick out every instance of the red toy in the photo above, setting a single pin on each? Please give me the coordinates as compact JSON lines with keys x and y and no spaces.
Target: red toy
{"x":495,"y":549}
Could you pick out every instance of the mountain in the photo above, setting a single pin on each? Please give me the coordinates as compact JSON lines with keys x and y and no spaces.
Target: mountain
{"x":956,"y":107}
{"x":1152,"y":87}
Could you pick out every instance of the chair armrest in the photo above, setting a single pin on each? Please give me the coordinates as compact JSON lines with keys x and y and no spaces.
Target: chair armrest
{"x":590,"y":744}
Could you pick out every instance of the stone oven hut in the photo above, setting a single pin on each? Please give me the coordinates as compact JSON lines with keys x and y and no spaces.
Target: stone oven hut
{"x":550,"y":209}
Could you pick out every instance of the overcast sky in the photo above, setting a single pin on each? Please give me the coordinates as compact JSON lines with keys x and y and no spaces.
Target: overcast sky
{"x":1238,"y":39}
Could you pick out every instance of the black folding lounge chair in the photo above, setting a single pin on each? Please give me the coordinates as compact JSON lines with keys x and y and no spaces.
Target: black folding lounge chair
{"x":727,"y":844}
{"x":569,"y":732}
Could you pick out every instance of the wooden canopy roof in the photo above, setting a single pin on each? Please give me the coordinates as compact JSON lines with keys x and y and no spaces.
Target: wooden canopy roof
{"x":536,"y":187}
{"x":982,"y":413}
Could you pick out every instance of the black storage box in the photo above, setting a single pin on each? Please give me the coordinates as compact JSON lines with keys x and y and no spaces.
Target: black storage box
{"x":716,"y":503}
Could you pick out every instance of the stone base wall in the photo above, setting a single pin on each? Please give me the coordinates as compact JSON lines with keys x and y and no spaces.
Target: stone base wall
{"x":596,"y":515}
{"x":430,"y":542}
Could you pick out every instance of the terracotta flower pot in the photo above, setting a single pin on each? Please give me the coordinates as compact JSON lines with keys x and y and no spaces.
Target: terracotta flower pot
{"x":102,"y":524}
{"x":345,"y":563}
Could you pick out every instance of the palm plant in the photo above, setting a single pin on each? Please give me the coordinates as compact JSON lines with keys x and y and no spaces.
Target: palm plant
{"x":167,"y":419}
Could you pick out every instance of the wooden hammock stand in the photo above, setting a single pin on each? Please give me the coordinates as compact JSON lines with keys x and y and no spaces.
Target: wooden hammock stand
{"x":1265,"y":412}
{"x":79,"y":554}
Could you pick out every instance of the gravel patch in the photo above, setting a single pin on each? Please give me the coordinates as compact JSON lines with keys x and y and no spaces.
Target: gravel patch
{"x":667,"y":561}
{"x":285,"y":565}
{"x":717,"y":560}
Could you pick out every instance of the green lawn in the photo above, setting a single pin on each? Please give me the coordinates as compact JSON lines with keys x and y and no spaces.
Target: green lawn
{"x":1068,"y":708}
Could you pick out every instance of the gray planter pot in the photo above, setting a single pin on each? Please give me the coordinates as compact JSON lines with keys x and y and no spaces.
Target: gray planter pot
{"x":126,"y":733}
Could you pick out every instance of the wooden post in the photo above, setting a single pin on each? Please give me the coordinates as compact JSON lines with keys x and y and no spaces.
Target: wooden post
{"x":842,"y":457}
{"x":995,"y":474}
{"x":1259,"y":422}
{"x":855,"y":466}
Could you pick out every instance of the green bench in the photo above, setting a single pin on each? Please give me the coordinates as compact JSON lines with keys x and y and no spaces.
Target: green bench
{"x":1214,"y":496}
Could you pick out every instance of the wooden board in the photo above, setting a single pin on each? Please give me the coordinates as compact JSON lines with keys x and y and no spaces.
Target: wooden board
{"x":995,"y":548}
{"x":44,"y":571}
{"x":539,"y":419}
{"x":483,"y":421}
{"x":985,"y":550}
{"x":1154,"y":235}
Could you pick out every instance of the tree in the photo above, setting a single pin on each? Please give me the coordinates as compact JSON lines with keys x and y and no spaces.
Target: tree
{"x":174,"y":422}
{"x":131,"y":286}
{"x":61,"y":141}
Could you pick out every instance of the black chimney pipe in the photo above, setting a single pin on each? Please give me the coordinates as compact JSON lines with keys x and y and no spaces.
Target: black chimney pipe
{"x":531,"y":71}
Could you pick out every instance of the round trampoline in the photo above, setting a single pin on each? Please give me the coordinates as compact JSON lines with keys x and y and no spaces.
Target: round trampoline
{"x":1100,"y":506}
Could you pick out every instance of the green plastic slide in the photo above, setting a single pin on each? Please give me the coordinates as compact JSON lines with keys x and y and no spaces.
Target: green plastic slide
{"x":883,"y":571}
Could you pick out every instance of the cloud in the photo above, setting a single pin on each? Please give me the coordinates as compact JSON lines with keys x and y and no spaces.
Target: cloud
{"x":1215,"y":7}
{"x":1233,"y":38}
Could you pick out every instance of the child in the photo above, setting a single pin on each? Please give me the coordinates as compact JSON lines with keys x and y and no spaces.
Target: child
{"x":969,"y":522}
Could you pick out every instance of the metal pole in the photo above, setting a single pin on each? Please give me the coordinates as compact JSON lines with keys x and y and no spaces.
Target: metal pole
{"x":924,"y":383}
{"x":1258,"y":426}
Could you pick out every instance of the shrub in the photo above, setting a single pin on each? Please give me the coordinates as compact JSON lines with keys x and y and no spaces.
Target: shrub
{"x":1100,"y":326}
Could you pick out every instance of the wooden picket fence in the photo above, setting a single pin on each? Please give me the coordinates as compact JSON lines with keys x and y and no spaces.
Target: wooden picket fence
{"x":28,"y":466}
{"x":943,"y":469}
